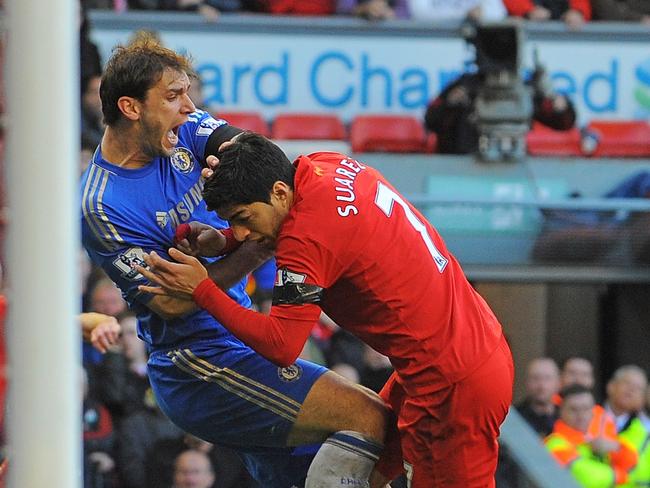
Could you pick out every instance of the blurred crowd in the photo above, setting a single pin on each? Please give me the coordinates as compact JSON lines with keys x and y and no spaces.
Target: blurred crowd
{"x":573,"y":12}
{"x":602,"y":441}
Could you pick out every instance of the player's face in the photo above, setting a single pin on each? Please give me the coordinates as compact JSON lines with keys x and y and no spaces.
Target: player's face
{"x":260,"y":221}
{"x":165,"y":109}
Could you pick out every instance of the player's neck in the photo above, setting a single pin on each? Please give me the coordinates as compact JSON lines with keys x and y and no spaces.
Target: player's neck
{"x":121,"y":149}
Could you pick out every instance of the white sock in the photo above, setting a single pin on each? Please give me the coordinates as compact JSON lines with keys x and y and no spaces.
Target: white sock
{"x":346,"y":458}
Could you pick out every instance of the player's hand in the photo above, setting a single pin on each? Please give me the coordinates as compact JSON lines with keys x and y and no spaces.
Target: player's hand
{"x":212,"y":161}
{"x":102,"y":331}
{"x":198,"y":239}
{"x":106,"y":335}
{"x":177,"y":279}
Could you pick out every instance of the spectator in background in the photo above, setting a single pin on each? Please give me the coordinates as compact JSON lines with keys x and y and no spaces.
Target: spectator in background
{"x":106,"y":298}
{"x":89,"y":59}
{"x":444,"y":10}
{"x":626,"y":396}
{"x":98,"y":439}
{"x":626,"y":403}
{"x":373,"y":9}
{"x":452,"y":115}
{"x":594,"y":463}
{"x":625,"y":10}
{"x":542,"y":384}
{"x":577,"y":370}
{"x":426,"y":10}
{"x":103,"y":297}
{"x":193,"y":469}
{"x":573,"y":12}
{"x":295,"y":7}
{"x":229,"y":471}
{"x":90,"y":71}
{"x":123,"y":383}
{"x":92,"y":126}
{"x":209,"y":9}
{"x":137,"y":433}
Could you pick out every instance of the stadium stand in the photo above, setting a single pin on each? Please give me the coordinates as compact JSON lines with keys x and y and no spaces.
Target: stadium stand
{"x":544,"y":141}
{"x":387,"y":133}
{"x":308,"y":126}
{"x":621,"y":138}
{"x":247,"y":120}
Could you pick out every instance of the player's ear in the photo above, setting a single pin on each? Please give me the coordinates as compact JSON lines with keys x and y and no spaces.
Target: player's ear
{"x":130,"y":107}
{"x":281,"y":190}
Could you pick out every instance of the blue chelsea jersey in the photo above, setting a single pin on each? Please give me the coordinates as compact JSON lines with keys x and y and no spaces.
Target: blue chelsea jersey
{"x":127,"y":212}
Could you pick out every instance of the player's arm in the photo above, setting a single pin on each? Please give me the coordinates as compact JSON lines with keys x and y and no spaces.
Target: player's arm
{"x":169,"y":308}
{"x":102,"y":331}
{"x":279,"y":337}
{"x":218,"y":137}
{"x":225,"y":273}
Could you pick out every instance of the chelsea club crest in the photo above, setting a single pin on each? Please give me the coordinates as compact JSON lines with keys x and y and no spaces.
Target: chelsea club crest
{"x":290,"y":373}
{"x":182,"y":160}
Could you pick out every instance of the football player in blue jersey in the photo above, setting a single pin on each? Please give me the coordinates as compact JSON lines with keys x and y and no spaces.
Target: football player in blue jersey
{"x":143,"y":181}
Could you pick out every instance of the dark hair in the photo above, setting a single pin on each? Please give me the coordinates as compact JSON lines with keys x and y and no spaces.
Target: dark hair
{"x":574,"y":389}
{"x":247,"y":170}
{"x":133,"y":69}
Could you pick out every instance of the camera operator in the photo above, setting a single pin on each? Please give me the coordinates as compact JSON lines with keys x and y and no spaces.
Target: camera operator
{"x":452,"y":115}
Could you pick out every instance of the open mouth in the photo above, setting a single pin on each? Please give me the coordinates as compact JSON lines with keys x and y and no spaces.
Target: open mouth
{"x":172,"y":136}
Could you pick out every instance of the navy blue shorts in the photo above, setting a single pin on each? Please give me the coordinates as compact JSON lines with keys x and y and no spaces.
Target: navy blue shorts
{"x":225,"y":393}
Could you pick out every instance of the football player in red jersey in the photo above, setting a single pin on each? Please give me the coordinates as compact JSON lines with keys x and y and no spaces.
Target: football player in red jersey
{"x":349,"y":244}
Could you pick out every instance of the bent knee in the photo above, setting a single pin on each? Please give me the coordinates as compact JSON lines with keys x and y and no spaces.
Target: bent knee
{"x":334,"y":404}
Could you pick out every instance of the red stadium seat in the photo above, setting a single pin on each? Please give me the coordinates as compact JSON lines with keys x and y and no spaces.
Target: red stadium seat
{"x":252,"y":121}
{"x":544,"y":141}
{"x":622,"y":138}
{"x":308,"y":126}
{"x":387,"y":133}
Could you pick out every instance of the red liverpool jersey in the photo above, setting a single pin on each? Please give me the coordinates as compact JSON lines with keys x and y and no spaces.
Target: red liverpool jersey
{"x":387,"y":274}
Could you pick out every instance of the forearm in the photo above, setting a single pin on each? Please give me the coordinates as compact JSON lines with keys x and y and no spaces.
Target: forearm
{"x":280,"y":340}
{"x":89,"y":321}
{"x":228,"y":271}
{"x":169,"y":308}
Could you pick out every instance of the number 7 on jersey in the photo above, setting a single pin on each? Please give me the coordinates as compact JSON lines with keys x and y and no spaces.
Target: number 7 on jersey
{"x":385,"y":199}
